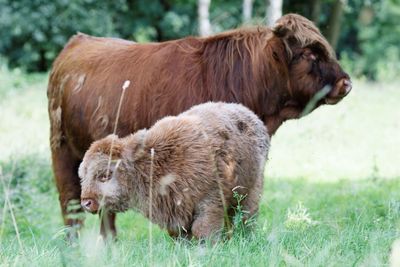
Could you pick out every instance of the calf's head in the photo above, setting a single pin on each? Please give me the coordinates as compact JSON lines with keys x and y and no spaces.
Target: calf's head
{"x":103,"y":178}
{"x":312,"y":64}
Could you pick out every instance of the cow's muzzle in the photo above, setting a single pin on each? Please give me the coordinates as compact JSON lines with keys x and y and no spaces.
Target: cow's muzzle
{"x":90,"y":205}
{"x":339,"y":91}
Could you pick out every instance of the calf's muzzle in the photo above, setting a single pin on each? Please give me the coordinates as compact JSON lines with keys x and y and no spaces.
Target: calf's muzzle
{"x":90,"y":205}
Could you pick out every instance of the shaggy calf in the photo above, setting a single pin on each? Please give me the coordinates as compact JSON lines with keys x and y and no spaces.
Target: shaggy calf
{"x":192,"y":162}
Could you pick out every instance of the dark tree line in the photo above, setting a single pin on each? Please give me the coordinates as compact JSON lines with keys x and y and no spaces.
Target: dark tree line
{"x":366,"y":33}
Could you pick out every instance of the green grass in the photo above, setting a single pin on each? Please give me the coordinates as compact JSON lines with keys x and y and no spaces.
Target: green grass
{"x":331,"y":198}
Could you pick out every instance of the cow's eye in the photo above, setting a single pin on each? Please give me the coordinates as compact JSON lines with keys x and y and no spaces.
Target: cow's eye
{"x":309,"y":55}
{"x":297,"y":57}
{"x":315,"y":68}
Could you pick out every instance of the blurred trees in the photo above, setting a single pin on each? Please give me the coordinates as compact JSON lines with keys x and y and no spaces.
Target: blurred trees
{"x":370,"y":38}
{"x":34,"y":31}
{"x":334,"y":22}
{"x":203,"y":7}
{"x":367,"y":32}
{"x":274,"y":11}
{"x":247,"y":10}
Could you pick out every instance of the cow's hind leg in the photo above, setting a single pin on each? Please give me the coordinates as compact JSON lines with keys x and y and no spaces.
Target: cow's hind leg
{"x":65,"y":167}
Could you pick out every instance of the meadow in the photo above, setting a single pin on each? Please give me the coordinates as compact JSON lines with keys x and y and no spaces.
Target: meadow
{"x":331,"y":194}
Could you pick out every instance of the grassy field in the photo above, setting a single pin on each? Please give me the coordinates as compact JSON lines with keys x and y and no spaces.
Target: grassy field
{"x":331,"y":197}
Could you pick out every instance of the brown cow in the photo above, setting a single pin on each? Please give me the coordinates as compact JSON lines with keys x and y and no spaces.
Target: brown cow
{"x":192,"y":163}
{"x":274,"y":72}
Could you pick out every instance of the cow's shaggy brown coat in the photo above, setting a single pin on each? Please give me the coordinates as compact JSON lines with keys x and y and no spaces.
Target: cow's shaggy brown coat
{"x":199,"y":156}
{"x":274,"y":72}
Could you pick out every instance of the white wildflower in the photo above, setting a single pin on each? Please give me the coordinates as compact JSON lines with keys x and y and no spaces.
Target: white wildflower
{"x":299,"y":218}
{"x":395,"y":254}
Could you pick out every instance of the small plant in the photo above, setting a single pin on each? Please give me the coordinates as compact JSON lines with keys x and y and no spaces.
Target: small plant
{"x":7,"y":203}
{"x":299,"y":218}
{"x":375,"y":172}
{"x":240,"y":219}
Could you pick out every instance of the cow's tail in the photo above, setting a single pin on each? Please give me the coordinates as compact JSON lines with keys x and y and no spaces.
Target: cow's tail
{"x":55,"y":91}
{"x":59,"y":77}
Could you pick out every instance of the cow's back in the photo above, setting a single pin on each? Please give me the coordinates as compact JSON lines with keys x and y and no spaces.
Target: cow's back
{"x":85,"y":87}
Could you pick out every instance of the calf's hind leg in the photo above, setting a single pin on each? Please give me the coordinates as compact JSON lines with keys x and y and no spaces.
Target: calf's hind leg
{"x":251,"y":203}
{"x":209,"y":220}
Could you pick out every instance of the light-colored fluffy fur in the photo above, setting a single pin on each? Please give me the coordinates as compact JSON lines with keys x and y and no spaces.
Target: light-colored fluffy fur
{"x":199,"y":156}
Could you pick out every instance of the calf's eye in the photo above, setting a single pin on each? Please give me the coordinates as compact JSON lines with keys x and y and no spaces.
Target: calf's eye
{"x":104,"y":179}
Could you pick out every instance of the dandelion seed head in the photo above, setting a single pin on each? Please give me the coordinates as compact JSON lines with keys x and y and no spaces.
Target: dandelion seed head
{"x":126,"y":84}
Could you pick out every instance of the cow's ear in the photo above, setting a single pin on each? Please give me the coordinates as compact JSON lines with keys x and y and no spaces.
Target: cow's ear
{"x":284,"y":27}
{"x":280,"y":30}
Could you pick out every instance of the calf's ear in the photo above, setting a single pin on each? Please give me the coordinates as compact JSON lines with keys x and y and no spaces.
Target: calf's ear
{"x":134,"y":145}
{"x":105,"y":145}
{"x":81,"y":170}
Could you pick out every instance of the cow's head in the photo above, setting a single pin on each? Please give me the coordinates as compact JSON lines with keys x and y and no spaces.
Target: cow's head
{"x":103,"y":177}
{"x":314,"y":71}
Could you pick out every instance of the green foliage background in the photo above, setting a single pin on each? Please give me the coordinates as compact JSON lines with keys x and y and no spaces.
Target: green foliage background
{"x":34,"y":31}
